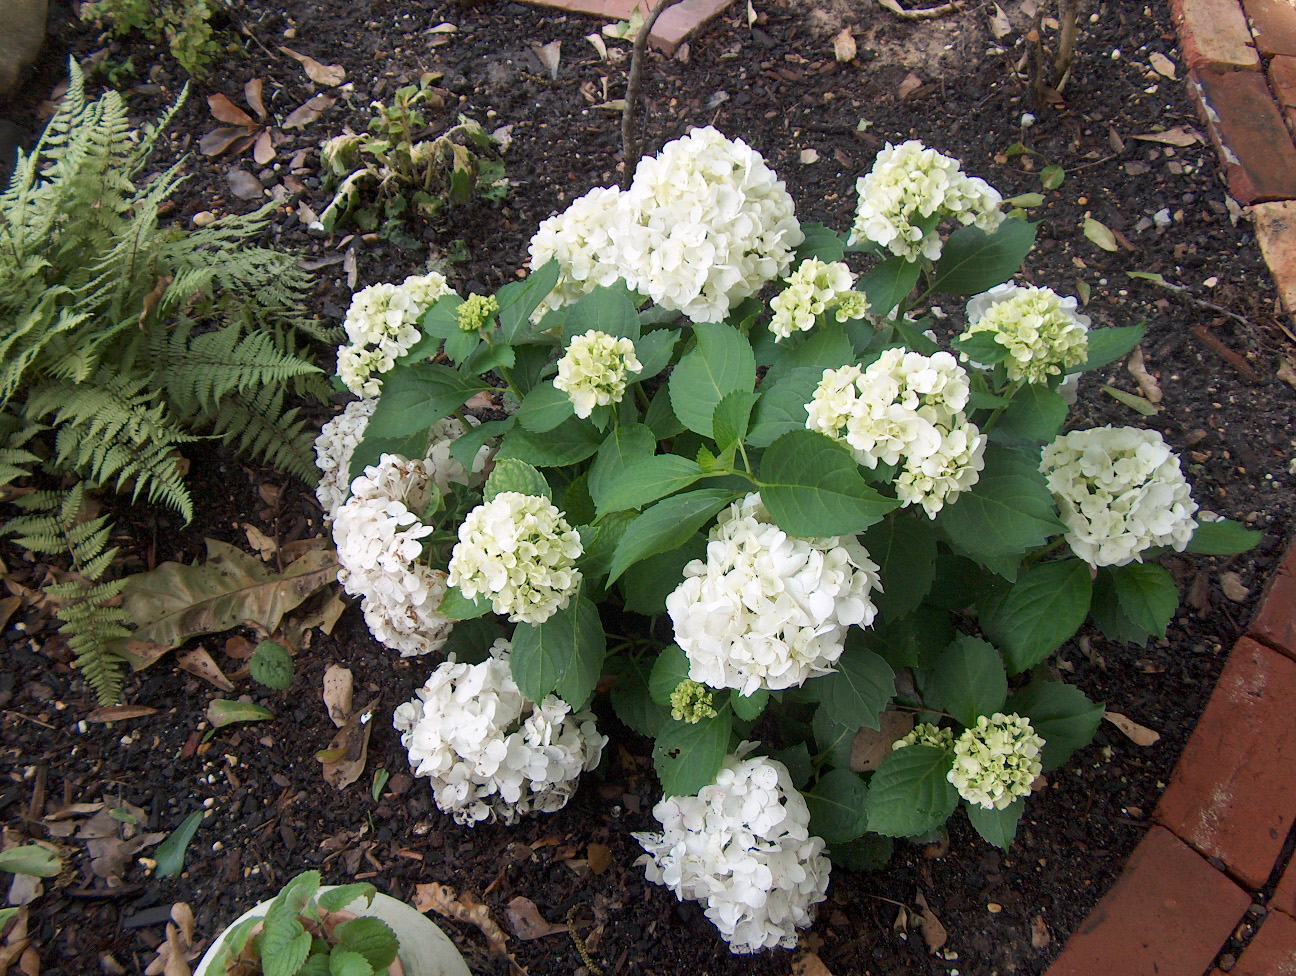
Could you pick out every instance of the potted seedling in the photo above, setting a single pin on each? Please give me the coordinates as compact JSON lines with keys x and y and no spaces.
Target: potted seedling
{"x":348,"y":930}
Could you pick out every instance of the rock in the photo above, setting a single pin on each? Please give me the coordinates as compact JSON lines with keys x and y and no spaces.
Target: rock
{"x":21,"y":39}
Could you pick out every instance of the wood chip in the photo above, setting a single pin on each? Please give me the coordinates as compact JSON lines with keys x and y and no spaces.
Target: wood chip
{"x":1231,"y":584}
{"x":844,"y":46}
{"x":119,"y":713}
{"x":1147,"y":383}
{"x":1040,"y":937}
{"x":338,"y":689}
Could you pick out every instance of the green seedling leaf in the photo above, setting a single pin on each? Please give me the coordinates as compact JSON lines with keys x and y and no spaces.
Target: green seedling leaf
{"x":170,"y":854}
{"x":271,"y":665}
{"x":380,"y":779}
{"x":336,"y":899}
{"x":284,"y":944}
{"x":223,"y":711}
{"x":372,"y":938}
{"x":32,"y":859}
{"x":347,"y":962}
{"x":1100,"y":234}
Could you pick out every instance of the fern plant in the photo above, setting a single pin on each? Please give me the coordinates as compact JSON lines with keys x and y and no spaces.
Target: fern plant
{"x":123,"y":341}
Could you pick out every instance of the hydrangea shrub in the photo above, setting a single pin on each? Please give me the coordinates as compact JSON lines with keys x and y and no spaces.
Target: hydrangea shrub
{"x":752,"y":519}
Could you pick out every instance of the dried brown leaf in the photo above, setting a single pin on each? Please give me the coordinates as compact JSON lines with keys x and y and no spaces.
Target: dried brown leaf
{"x":328,"y":75}
{"x":222,"y":140}
{"x":239,"y":648}
{"x":871,"y":746}
{"x":443,"y":900}
{"x":910,"y":85}
{"x":1000,"y":26}
{"x":1147,"y":383}
{"x":1138,"y":734}
{"x":263,"y":150}
{"x":599,"y":857}
{"x":526,"y":922}
{"x":810,"y":964}
{"x":933,"y":932}
{"x":198,"y":662}
{"x":265,"y":546}
{"x":11,"y":952}
{"x":7,"y":607}
{"x":1162,"y":65}
{"x":29,"y":962}
{"x":308,"y":112}
{"x":252,"y":92}
{"x":1180,"y":136}
{"x":338,"y":686}
{"x":119,"y":713}
{"x":243,"y":184}
{"x":223,"y":110}
{"x":347,"y":751}
{"x":550,"y":56}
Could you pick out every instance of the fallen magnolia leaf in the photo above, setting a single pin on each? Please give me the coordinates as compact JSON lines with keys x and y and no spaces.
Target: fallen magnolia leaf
{"x":1138,"y":734}
{"x":198,"y":662}
{"x":933,"y":932}
{"x":345,"y":755}
{"x":1178,"y":136}
{"x":527,"y":923}
{"x":308,"y":112}
{"x":119,"y":713}
{"x":338,"y":685}
{"x":871,"y":746}
{"x":1162,"y":65}
{"x":265,"y":546}
{"x":599,"y":857}
{"x":844,"y":46}
{"x":243,"y":184}
{"x":328,"y":75}
{"x":550,"y":56}
{"x":1231,"y":584}
{"x":809,"y":964}
{"x":443,"y":900}
{"x":1099,"y":233}
{"x":1147,"y":383}
{"x":223,"y":711}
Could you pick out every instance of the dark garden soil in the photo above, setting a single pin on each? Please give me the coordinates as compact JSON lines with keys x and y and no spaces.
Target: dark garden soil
{"x":777,"y":85}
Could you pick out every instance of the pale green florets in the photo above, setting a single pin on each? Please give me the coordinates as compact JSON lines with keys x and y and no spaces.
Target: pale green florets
{"x":1041,"y":330}
{"x":594,"y":369}
{"x":813,"y":288}
{"x":476,"y":312}
{"x":691,"y":702}
{"x":996,"y":761}
{"x":926,"y":734}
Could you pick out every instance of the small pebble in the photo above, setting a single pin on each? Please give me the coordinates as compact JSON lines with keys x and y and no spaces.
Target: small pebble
{"x":203,"y":218}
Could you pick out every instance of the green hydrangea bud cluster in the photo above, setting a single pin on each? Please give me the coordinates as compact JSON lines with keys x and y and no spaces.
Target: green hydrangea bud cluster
{"x":476,"y":311}
{"x":691,"y":702}
{"x":926,"y":734}
{"x":996,"y":761}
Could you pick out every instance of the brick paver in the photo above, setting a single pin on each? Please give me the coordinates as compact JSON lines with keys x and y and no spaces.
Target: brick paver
{"x":1168,"y":913}
{"x":1275,"y":621}
{"x":1233,"y":793}
{"x":1213,"y":33}
{"x":1273,"y":26}
{"x":1271,"y":953}
{"x":1284,"y":896}
{"x":1249,"y":133}
{"x":1275,"y":229}
{"x":672,"y":27}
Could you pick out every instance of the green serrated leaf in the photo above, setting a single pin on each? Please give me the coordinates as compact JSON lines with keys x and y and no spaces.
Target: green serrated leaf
{"x":271,"y":665}
{"x":465,"y":447}
{"x":347,"y":962}
{"x":417,"y":396}
{"x":649,"y":479}
{"x":797,"y":760}
{"x":820,"y":242}
{"x":372,"y":938}
{"x":749,"y":707}
{"x":544,"y":408}
{"x":284,"y":945}
{"x":838,"y":805}
{"x":997,"y":827}
{"x":670,"y":668}
{"x":1044,"y":608}
{"x":720,"y":364}
{"x":518,"y":299}
{"x":826,"y":346}
{"x":633,"y":703}
{"x":1061,"y":715}
{"x":510,"y":474}
{"x":969,"y":680}
{"x":606,"y":309}
{"x":1034,"y":416}
{"x":973,"y":261}
{"x":909,"y":793}
{"x":812,"y":487}
{"x":1223,"y":538}
{"x":832,"y":738}
{"x":1147,"y":595}
{"x":782,"y":406}
{"x":666,"y":525}
{"x":731,"y":418}
{"x":568,"y":443}
{"x":889,"y":283}
{"x":982,"y":347}
{"x":1108,"y":345}
{"x":646,"y":589}
{"x":564,"y":654}
{"x":859,"y":690}
{"x":1009,"y":511}
{"x":904,"y":547}
{"x":623,"y":448}
{"x":687,"y":756}
{"x":654,"y":351}
{"x":336,"y":899}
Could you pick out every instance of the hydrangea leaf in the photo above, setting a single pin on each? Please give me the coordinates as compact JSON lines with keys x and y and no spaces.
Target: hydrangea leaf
{"x":908,"y":642}
{"x":687,"y":756}
{"x":544,"y":408}
{"x":1223,"y":538}
{"x":904,"y":547}
{"x":470,"y":640}
{"x":982,"y":347}
{"x":607,"y":309}
{"x":455,"y":606}
{"x":624,"y":446}
{"x":782,"y":406}
{"x":666,"y":525}
{"x":1061,"y":715}
{"x":371,"y":449}
{"x":564,"y":654}
{"x":518,"y":299}
{"x":865,"y":853}
{"x":720,"y":364}
{"x":812,"y":487}
{"x":670,"y":668}
{"x":510,"y":474}
{"x":968,"y":679}
{"x":826,"y":346}
{"x":1108,"y":345}
{"x":465,"y":447}
{"x":821,"y":242}
{"x":568,"y":443}
{"x":997,"y":827}
{"x":372,"y":938}
{"x":1007,"y":512}
{"x":797,"y":760}
{"x":1034,"y":417}
{"x":838,"y":805}
{"x":1044,"y":608}
{"x":889,"y":283}
{"x":749,"y":707}
{"x":647,"y":480}
{"x":417,"y":396}
{"x":731,"y":418}
{"x":973,"y":261}
{"x":832,"y":738}
{"x":576,"y":504}
{"x":659,"y":416}
{"x":654,"y":352}
{"x":438,"y":322}
{"x":860,"y":688}
{"x":600,"y":542}
{"x":1147,"y":595}
{"x":909,"y":794}
{"x":646,"y":589}
{"x":633,"y":703}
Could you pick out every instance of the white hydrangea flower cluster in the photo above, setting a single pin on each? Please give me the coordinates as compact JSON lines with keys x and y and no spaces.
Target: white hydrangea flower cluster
{"x":996,"y":761}
{"x":766,"y":610}
{"x":906,"y":409}
{"x":1120,"y":491}
{"x":338,"y":439}
{"x":519,"y":551}
{"x":926,"y":734}
{"x":581,"y":239}
{"x":1042,"y":331}
{"x":489,"y":752}
{"x":742,"y":847}
{"x":381,"y":325}
{"x":910,"y":183}
{"x":813,"y":288}
{"x":704,"y":224}
{"x":377,"y":534}
{"x":593,"y":370}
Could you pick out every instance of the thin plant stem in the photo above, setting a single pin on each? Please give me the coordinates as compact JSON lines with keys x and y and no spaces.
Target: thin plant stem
{"x":630,"y":148}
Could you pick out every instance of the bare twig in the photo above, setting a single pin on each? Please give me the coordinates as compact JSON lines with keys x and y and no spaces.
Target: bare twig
{"x":924,"y":13}
{"x":629,"y":145}
{"x":1068,"y":17}
{"x":1181,"y":293}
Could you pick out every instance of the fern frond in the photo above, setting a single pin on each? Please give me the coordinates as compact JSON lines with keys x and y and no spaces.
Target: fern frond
{"x":263,"y":429}
{"x":91,"y":622}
